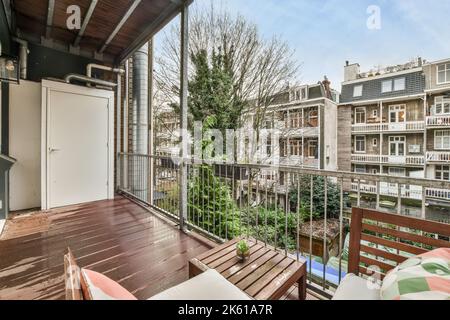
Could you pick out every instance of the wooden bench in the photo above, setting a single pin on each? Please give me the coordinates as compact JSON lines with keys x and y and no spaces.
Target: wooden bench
{"x":403,"y":234}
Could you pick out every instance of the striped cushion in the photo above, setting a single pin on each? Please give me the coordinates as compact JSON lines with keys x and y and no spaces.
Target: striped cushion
{"x":424,"y":277}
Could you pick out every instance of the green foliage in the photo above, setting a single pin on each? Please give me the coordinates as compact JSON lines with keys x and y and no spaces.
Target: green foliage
{"x":333,"y":205}
{"x":211,"y":91}
{"x":243,"y":247}
{"x":211,"y":205}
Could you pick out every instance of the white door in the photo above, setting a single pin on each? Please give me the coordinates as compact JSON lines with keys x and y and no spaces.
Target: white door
{"x":397,"y":150}
{"x":77,"y":148}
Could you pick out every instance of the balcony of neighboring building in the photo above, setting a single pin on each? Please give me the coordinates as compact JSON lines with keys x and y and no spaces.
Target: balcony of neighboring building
{"x":396,"y":118}
{"x":439,"y":112}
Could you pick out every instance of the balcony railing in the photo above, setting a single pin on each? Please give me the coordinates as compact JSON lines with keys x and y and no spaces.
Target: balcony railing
{"x":384,"y":159}
{"x":388,"y":127}
{"x":299,"y":161}
{"x":437,"y":156}
{"x":299,"y":132}
{"x":305,"y":217}
{"x":438,"y":121}
{"x":441,"y":194}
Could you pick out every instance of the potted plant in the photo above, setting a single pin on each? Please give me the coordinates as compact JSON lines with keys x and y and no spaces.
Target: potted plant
{"x":243,"y":250}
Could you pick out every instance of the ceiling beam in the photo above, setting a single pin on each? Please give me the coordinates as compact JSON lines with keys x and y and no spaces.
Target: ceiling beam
{"x":50,"y":15}
{"x":85,"y":22}
{"x":153,"y":27}
{"x":120,"y":25}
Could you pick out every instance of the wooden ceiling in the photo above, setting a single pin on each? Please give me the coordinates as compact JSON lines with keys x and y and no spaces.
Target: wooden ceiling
{"x":148,"y":17}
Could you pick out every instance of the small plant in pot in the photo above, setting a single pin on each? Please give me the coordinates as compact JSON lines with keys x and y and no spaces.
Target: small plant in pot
{"x":243,"y":250}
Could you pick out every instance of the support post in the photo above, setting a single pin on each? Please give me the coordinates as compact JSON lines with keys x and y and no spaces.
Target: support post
{"x":118,"y":130}
{"x":184,"y":59}
{"x":150,"y":122}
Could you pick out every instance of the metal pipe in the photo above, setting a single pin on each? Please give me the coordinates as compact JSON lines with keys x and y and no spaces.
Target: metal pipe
{"x":92,"y":66}
{"x":86,"y":79}
{"x":23,"y":57}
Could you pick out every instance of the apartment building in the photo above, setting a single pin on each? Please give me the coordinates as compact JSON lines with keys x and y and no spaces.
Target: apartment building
{"x":306,"y":117}
{"x":393,"y":121}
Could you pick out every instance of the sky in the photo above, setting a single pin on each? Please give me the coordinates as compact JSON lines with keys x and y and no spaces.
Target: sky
{"x":326,"y":33}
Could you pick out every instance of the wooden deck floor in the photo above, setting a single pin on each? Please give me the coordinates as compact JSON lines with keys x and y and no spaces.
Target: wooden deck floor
{"x":125,"y":242}
{"x":118,"y":238}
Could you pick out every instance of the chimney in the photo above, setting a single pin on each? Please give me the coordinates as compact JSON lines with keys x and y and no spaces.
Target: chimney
{"x":327,"y":85}
{"x":351,"y":71}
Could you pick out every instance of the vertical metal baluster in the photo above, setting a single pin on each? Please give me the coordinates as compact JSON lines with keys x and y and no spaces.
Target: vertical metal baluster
{"x":276,"y":210}
{"x":287,"y":212}
{"x":399,"y":199}
{"x":221,"y":198}
{"x":359,"y":194}
{"x":241,"y":190}
{"x":258,"y":196}
{"x":249,"y":199}
{"x":325,"y":221}
{"x":267,"y":209}
{"x":341,"y":227}
{"x":214,"y":190}
{"x":299,"y":203}
{"x":209,"y":197}
{"x":311,"y":213}
{"x":227,"y":202}
{"x":233,"y":190}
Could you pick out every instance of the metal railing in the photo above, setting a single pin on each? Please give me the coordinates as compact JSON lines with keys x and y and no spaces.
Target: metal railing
{"x":302,"y":212}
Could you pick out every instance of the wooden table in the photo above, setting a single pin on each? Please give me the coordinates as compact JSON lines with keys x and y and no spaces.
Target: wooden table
{"x":265,"y":275}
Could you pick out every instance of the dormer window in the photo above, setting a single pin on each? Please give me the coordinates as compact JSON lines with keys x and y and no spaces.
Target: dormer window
{"x":398,"y":84}
{"x":443,"y":73}
{"x":357,"y":91}
{"x":299,"y":94}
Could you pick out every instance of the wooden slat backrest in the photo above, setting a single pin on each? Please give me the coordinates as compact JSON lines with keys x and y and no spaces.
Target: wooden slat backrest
{"x":399,"y":240}
{"x":76,"y":286}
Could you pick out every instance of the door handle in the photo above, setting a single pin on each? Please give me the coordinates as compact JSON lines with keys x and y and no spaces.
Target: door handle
{"x":54,"y":150}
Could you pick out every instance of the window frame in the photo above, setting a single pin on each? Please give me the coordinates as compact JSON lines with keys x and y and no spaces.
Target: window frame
{"x":442,"y":170}
{"x":443,"y":101}
{"x":446,"y":69}
{"x":365,"y":115}
{"x":391,"y":86}
{"x":356,"y":144}
{"x":395,"y":81}
{"x":355,"y":95}
{"x":442,"y":144}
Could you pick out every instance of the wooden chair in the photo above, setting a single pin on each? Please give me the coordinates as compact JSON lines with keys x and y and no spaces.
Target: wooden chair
{"x":403,"y":234}
{"x":76,"y":287}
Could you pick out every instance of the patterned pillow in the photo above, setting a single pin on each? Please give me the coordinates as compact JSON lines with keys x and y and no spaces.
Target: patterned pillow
{"x":103,"y":288}
{"x":424,"y":277}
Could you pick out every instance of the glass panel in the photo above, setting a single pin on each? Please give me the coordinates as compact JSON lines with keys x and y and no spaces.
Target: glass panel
{"x":393,"y":150}
{"x":386,"y":86}
{"x":441,"y":77}
{"x":401,"y":149}
{"x":399,"y":84}
{"x":439,"y":108}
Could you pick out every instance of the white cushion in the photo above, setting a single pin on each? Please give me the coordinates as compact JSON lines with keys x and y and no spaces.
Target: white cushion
{"x":355,"y":288}
{"x":210,"y":285}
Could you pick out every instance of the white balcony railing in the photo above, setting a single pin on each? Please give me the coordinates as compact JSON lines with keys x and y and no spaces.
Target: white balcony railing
{"x":442,"y":194}
{"x":383,"y":159}
{"x":388,"y":127}
{"x":438,"y":121}
{"x":299,"y":161}
{"x":437,"y":156}
{"x":390,"y":190}
{"x":299,"y":132}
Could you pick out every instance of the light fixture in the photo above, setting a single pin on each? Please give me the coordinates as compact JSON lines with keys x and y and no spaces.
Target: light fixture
{"x":9,"y":69}
{"x":10,"y":65}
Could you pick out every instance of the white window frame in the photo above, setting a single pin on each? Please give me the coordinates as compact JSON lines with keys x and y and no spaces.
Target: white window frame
{"x":397,"y":108}
{"x":441,"y":145}
{"x":356,"y":144}
{"x":358,"y":91}
{"x":397,"y":140}
{"x":403,"y":84}
{"x":311,"y":145}
{"x":446,"y":69}
{"x":442,"y":169}
{"x":386,"y":90}
{"x":442,"y":101}
{"x":363,"y":111}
